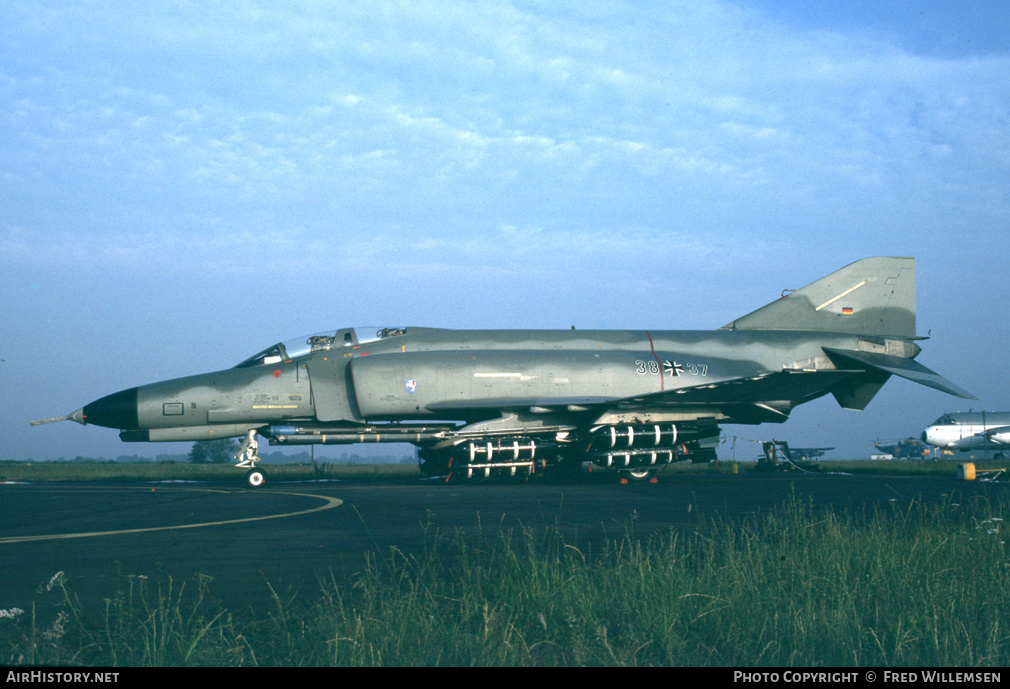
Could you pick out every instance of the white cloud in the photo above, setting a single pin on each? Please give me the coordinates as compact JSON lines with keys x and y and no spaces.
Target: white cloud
{"x":451,"y":120}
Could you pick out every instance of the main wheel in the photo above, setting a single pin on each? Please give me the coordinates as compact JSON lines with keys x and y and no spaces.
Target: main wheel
{"x":255,"y":478}
{"x":639,"y":474}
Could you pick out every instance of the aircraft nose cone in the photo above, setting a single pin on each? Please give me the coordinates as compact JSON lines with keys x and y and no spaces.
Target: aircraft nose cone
{"x":933,"y":436}
{"x":118,"y":410}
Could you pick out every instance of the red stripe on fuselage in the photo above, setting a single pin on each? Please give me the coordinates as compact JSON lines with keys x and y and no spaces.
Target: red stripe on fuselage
{"x":662,"y":375}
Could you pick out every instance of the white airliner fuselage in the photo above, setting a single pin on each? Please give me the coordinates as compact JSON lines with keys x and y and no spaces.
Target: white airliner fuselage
{"x":969,"y":431}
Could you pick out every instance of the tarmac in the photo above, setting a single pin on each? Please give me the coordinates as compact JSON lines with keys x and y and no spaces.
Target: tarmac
{"x":280,"y":539}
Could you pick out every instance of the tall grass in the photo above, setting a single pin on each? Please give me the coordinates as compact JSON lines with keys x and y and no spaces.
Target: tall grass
{"x":800,"y":586}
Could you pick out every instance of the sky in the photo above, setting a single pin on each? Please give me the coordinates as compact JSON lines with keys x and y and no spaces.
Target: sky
{"x":184,"y":183}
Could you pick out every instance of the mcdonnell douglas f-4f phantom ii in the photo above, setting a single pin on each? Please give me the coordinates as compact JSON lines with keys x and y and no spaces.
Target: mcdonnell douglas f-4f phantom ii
{"x":481,"y":401}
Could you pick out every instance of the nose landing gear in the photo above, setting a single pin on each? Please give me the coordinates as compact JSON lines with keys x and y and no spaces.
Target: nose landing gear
{"x":247,"y":458}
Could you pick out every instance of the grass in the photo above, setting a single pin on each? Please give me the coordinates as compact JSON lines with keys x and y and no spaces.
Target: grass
{"x":912,"y":585}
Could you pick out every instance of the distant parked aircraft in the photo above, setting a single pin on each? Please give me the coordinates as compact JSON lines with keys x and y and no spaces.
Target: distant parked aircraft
{"x":775,"y":450}
{"x":909,"y":448}
{"x":970,"y":430}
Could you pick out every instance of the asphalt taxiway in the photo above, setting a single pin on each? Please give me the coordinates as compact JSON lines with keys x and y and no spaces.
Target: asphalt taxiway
{"x":280,"y":538}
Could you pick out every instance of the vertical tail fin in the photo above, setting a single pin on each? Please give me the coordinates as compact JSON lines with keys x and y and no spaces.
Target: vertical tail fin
{"x":872,"y":297}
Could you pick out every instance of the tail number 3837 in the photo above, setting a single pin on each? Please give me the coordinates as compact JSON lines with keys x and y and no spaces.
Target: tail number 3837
{"x":670,"y":368}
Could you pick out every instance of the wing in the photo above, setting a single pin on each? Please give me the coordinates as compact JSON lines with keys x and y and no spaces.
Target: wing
{"x":763,"y":397}
{"x":1000,"y":435}
{"x":766,"y":396}
{"x":798,"y":385}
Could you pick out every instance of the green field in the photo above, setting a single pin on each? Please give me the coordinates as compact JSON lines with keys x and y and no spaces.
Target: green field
{"x":907,"y":585}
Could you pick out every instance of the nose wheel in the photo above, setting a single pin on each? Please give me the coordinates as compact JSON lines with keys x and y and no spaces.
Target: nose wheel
{"x":255,"y":478}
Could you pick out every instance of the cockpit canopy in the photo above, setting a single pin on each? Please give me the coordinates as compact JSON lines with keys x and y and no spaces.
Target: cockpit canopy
{"x":300,"y":346}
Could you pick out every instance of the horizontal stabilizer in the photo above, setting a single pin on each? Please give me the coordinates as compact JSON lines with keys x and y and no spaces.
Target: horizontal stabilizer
{"x":898,"y":366}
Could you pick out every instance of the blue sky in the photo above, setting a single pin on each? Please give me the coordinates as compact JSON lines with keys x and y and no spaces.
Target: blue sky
{"x":182,"y":184}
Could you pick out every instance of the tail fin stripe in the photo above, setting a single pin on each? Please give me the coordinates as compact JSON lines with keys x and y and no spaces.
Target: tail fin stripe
{"x":847,"y":292}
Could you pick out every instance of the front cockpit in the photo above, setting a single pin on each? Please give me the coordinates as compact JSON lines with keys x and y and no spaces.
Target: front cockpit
{"x":320,"y":342}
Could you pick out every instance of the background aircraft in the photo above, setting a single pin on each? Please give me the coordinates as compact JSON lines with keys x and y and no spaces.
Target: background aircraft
{"x":779,"y":450}
{"x":476,"y":402}
{"x":909,"y":448}
{"x":971,"y":430}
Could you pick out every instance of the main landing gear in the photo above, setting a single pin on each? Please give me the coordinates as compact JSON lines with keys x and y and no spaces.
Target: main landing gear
{"x":247,"y":458}
{"x":639,"y":474}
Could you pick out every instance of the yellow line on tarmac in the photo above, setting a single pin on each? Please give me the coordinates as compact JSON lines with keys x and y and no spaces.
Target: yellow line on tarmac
{"x":330,"y":503}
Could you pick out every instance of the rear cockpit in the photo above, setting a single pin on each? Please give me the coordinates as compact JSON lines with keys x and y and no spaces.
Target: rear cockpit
{"x":367,"y":334}
{"x":319,"y":342}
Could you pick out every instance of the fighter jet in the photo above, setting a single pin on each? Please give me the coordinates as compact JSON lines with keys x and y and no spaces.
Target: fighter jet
{"x":477,"y":402}
{"x":970,"y":430}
